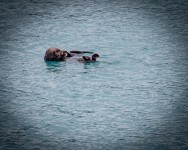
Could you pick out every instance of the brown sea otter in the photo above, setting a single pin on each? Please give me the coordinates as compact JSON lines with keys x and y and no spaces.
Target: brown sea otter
{"x":55,"y":54}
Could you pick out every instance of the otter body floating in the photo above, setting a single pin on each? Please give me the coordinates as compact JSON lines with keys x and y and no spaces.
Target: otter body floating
{"x":55,"y":54}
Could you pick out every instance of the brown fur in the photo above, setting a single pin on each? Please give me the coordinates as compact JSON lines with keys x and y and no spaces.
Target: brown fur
{"x":55,"y":54}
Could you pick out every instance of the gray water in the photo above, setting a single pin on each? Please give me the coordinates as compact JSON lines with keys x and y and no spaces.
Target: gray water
{"x":135,"y":97}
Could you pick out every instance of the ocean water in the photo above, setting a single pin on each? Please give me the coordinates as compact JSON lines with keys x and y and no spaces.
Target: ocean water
{"x":135,"y":96}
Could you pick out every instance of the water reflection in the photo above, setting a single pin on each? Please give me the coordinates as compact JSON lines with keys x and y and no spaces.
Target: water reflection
{"x":55,"y":66}
{"x":89,"y":65}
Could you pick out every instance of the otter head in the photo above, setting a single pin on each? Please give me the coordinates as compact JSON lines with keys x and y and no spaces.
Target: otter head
{"x":55,"y":54}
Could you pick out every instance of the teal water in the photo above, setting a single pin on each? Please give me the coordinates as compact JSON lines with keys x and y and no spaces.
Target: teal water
{"x":135,"y":97}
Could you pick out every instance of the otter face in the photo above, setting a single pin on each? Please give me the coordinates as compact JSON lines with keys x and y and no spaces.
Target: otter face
{"x":54,"y":54}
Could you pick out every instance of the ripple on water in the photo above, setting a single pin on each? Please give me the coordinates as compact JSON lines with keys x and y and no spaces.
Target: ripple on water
{"x":133,"y":98}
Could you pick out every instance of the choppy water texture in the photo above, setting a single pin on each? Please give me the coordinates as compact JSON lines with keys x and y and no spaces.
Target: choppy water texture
{"x":135,"y":97}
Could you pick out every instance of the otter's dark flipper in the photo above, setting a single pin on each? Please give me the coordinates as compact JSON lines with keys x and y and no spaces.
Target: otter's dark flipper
{"x":80,"y":52}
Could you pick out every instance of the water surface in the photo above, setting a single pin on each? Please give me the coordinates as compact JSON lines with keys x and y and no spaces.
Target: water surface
{"x":135,"y":97}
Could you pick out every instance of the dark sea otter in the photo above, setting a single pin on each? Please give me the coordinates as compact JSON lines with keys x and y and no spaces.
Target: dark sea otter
{"x":55,"y":54}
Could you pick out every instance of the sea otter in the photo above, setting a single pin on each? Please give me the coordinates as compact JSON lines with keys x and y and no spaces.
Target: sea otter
{"x":55,"y":54}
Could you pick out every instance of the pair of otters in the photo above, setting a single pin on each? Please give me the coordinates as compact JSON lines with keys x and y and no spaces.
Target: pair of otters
{"x":55,"y":54}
